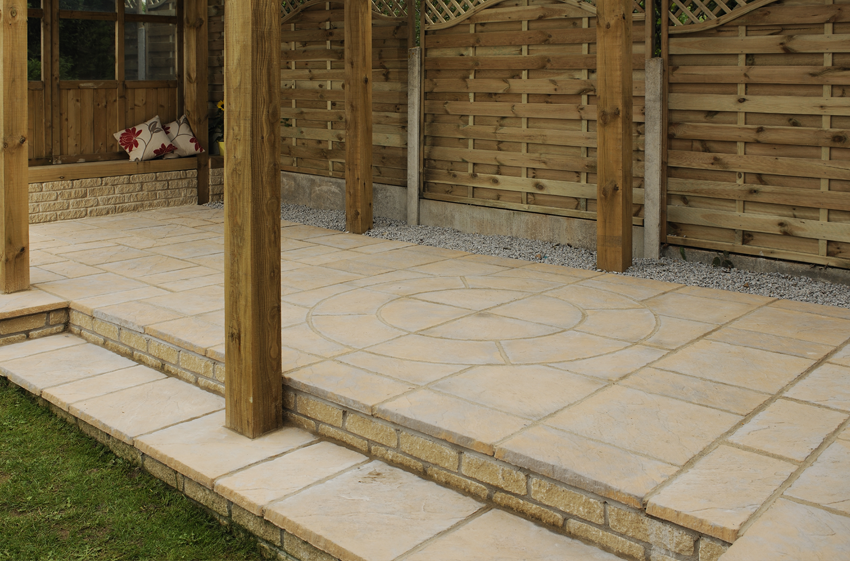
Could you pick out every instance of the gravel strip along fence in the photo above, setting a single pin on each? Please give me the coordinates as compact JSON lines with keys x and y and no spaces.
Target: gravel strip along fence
{"x":775,"y":285}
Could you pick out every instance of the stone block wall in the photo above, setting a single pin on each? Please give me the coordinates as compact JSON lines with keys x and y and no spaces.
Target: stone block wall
{"x":99,"y":196}
{"x":33,"y":326}
{"x":217,"y":185}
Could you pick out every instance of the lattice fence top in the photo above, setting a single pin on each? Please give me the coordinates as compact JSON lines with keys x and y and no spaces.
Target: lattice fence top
{"x":690,"y":12}
{"x":391,"y":8}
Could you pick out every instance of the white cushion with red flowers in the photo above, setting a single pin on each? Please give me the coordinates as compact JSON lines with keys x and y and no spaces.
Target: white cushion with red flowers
{"x":147,"y":141}
{"x":181,"y":136}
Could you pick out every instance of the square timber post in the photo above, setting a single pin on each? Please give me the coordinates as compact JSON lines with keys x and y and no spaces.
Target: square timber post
{"x":253,"y":381}
{"x":14,"y":149}
{"x":358,"y":116}
{"x":614,"y":135}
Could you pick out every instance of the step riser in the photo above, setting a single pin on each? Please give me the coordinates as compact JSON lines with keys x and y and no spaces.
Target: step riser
{"x":613,"y":526}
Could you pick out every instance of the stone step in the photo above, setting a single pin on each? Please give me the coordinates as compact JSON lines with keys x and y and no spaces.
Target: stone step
{"x":313,"y":499}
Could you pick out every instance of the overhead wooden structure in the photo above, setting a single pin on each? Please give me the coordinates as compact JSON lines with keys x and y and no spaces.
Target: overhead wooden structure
{"x":14,"y":189}
{"x":253,"y":384}
{"x":614,"y":135}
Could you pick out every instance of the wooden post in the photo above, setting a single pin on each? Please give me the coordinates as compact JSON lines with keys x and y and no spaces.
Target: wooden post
{"x":414,"y":109}
{"x":358,"y":115}
{"x":614,"y":135}
{"x":196,"y":86}
{"x":14,"y":218}
{"x":253,"y":382}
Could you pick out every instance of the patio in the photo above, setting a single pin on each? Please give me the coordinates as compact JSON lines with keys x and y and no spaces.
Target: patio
{"x":673,"y":416}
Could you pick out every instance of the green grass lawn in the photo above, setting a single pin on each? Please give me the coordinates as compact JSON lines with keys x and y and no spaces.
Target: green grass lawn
{"x":63,"y":496}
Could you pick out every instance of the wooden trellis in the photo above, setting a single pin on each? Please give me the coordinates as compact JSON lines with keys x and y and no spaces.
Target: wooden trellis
{"x":392,"y":8}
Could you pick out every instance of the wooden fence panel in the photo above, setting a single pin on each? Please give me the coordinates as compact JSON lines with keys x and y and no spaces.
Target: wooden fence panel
{"x":510,"y":109}
{"x":39,"y":143}
{"x":312,"y":96}
{"x":759,"y":134}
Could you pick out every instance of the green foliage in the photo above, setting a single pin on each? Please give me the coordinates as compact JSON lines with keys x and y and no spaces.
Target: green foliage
{"x":722,"y":261}
{"x":86,"y":49}
{"x":65,"y":497}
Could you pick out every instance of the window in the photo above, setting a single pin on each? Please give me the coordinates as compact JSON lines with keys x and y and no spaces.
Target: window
{"x":34,"y":41}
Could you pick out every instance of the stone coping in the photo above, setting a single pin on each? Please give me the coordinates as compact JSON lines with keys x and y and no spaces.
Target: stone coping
{"x":623,"y":389}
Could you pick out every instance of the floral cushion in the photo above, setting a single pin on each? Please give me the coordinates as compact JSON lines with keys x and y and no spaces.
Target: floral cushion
{"x":182,"y":137}
{"x":147,"y":141}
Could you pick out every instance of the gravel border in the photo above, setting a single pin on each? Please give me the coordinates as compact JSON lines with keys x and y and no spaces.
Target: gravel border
{"x":775,"y":285}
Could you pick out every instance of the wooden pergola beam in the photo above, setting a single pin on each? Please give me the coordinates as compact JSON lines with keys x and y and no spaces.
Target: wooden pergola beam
{"x":253,"y":382}
{"x":14,"y":188}
{"x":196,"y":85}
{"x":358,"y":115}
{"x":614,"y":135}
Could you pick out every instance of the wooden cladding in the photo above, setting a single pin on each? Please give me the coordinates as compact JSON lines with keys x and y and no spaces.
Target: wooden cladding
{"x":510,"y":110}
{"x":313,"y":99}
{"x":759,"y":134}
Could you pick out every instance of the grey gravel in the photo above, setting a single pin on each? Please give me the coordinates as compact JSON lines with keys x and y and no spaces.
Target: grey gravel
{"x":775,"y":285}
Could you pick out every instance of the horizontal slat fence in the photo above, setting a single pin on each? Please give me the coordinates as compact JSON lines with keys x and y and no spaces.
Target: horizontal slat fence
{"x":510,"y":109}
{"x":312,"y":96}
{"x":759,"y":134}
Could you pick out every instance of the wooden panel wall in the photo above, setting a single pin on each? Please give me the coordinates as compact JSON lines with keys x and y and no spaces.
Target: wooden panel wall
{"x":312,"y":96}
{"x":759,"y":114}
{"x":39,"y":143}
{"x":91,"y":114}
{"x":510,"y":109}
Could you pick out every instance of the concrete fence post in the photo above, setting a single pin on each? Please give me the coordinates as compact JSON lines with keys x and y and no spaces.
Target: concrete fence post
{"x":414,"y":114}
{"x":654,"y":158}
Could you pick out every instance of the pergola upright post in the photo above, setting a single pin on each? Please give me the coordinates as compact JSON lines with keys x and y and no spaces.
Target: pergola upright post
{"x":358,"y":115}
{"x":196,"y":85}
{"x":614,"y":135}
{"x":253,"y":383}
{"x":14,"y":188}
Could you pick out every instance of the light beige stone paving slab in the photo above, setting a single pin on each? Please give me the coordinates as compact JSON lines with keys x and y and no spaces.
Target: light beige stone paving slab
{"x":720,"y":492}
{"x":63,"y":396}
{"x":826,"y":481}
{"x":828,"y":385}
{"x":472,"y":298}
{"x":346,"y":385}
{"x":452,"y":419}
{"x":129,"y":413}
{"x":358,"y":301}
{"x":673,"y":333}
{"x":71,"y":269}
{"x":410,"y":314}
{"x":587,"y":464}
{"x":36,"y":346}
{"x":29,"y":302}
{"x":772,"y":343}
{"x":726,"y":295}
{"x":411,"y":286}
{"x":740,"y":366}
{"x":189,"y":273}
{"x":40,"y":276}
{"x":498,"y":536}
{"x":508,"y":283}
{"x":797,"y":325}
{"x":809,"y":308}
{"x":355,"y":331}
{"x":695,"y":308}
{"x":135,"y":268}
{"x":352,"y":515}
{"x":205,"y":450}
{"x":561,"y":271}
{"x":542,"y":309}
{"x":593,"y":298}
{"x":404,"y":258}
{"x":103,"y":255}
{"x":52,"y":368}
{"x":257,"y":486}
{"x":354,"y":266}
{"x":614,"y":365}
{"x":93,"y":285}
{"x":136,"y":315}
{"x":418,"y":373}
{"x":446,"y":351}
{"x":525,"y":391}
{"x":560,"y":347}
{"x":305,"y":339}
{"x":667,"y":429}
{"x":191,"y":302}
{"x":291,"y":359}
{"x":88,"y":305}
{"x":734,"y":399}
{"x":635,"y":288}
{"x":842,"y":356}
{"x":302,"y":232}
{"x":189,"y":333}
{"x":789,"y":531}
{"x":789,"y":429}
{"x":346,"y":241}
{"x":628,"y":325}
{"x":312,"y":277}
{"x":484,"y":326}
{"x":188,"y":250}
{"x":457,"y":268}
